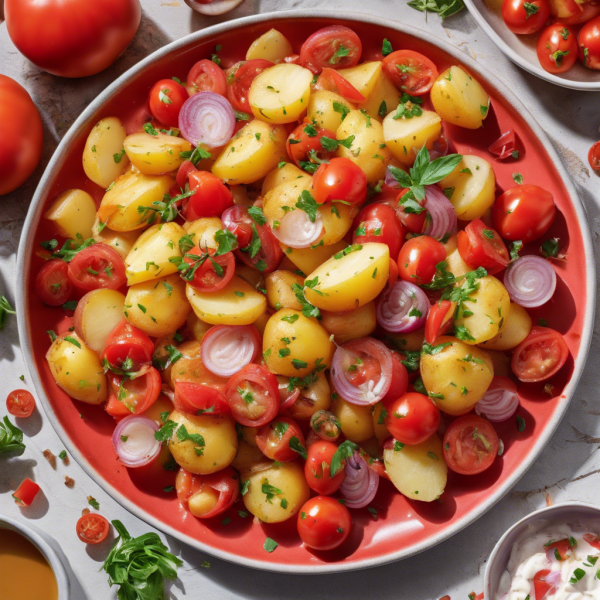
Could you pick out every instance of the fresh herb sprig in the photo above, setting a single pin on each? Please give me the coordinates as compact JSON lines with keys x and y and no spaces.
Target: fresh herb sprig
{"x":11,"y":437}
{"x":5,"y":310}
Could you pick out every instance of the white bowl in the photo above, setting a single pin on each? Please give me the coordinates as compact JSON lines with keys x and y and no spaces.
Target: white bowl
{"x":521,"y":49}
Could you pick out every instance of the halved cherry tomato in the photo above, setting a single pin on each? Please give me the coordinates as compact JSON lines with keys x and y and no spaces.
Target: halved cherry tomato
{"x":592,"y":539}
{"x":95,"y":267}
{"x":589,"y":44}
{"x":336,"y":47}
{"x":237,"y":220}
{"x":341,"y":179}
{"x":20,"y":403}
{"x":136,"y":395}
{"x":439,"y":320}
{"x":413,"y":222}
{"x":166,"y":99}
{"x":557,"y":48}
{"x":594,"y":156}
{"x":239,"y":80}
{"x":26,"y":492}
{"x":324,"y":523}
{"x":410,"y":71}
{"x":198,"y":398}
{"x":470,"y":445}
{"x":127,"y":347}
{"x":540,"y":355}
{"x":332,"y":81}
{"x":378,"y":223}
{"x":562,"y":549}
{"x":525,"y":17}
{"x":541,"y":588}
{"x":523,"y":213}
{"x":92,"y":528}
{"x":505,"y":145}
{"x":214,"y":273}
{"x":226,"y":482}
{"x":253,"y":395}
{"x":304,"y":146}
{"x":399,"y":378}
{"x":212,"y":196}
{"x":480,"y":246}
{"x":317,"y":468}
{"x":418,"y":259}
{"x":273,"y":440}
{"x":52,"y":283}
{"x":412,"y":418}
{"x":185,"y":170}
{"x":207,"y":76}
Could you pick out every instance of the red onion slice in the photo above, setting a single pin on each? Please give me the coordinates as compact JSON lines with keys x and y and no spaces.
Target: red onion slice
{"x":530,"y":281}
{"x":296,"y":230}
{"x":505,"y":145}
{"x":442,"y":218}
{"x":227,"y":348}
{"x":390,"y":180}
{"x":498,"y":404}
{"x":553,"y":578}
{"x":402,"y":308}
{"x":360,"y":484}
{"x":213,"y":7}
{"x":207,"y":118}
{"x":134,"y":441}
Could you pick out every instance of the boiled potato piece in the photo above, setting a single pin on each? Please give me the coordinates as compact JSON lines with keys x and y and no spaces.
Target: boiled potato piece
{"x":73,"y":213}
{"x":77,"y":369}
{"x":157,"y":307}
{"x":337,"y":221}
{"x":277,"y":177}
{"x":352,"y":324}
{"x":149,"y":258}
{"x":308,"y":259}
{"x":316,"y":397}
{"x":407,"y":342}
{"x":307,"y":348}
{"x":272,"y":46}
{"x":419,"y":472}
{"x":322,"y":109}
{"x":456,"y":265}
{"x":383,"y":99}
{"x":248,"y":456}
{"x":487,"y":310}
{"x":288,"y":483}
{"x":283,"y":198}
{"x":405,"y":137}
{"x":103,"y":143}
{"x":132,"y":190}
{"x":203,"y":231}
{"x":470,"y":187}
{"x":280,"y":94}
{"x":220,"y":442}
{"x":96,"y":315}
{"x":155,"y":154}
{"x":363,"y":77}
{"x":356,"y":421}
{"x":238,"y":303}
{"x":197,"y":328}
{"x":120,"y":241}
{"x":349,"y":281}
{"x":515,"y":328}
{"x":460,"y":99}
{"x":279,"y":290}
{"x":457,"y":376}
{"x":253,"y":152}
{"x":366,"y":149}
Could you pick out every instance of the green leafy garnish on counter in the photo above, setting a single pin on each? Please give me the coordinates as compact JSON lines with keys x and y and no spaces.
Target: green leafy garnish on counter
{"x":11,"y":437}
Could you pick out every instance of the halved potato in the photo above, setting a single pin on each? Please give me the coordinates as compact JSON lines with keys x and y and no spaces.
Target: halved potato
{"x":155,"y":154}
{"x":383,"y":99}
{"x":405,"y":137}
{"x":203,"y":231}
{"x":322,"y":109}
{"x":277,"y":177}
{"x":73,"y":213}
{"x":120,"y":241}
{"x":308,"y":259}
{"x":351,"y":324}
{"x":515,"y":328}
{"x":363,"y":77}
{"x":279,"y":290}
{"x":272,"y":46}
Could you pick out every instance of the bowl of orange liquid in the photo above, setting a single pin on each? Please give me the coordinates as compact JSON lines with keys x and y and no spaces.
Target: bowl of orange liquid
{"x":30,"y":569}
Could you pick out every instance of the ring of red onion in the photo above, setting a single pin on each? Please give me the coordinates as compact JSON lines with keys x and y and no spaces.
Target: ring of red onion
{"x":296,"y":230}
{"x":442,"y":220}
{"x":207,"y":118}
{"x":498,"y":405}
{"x":134,"y":441}
{"x":530,"y":281}
{"x":360,"y":484}
{"x":228,"y":348}
{"x":402,"y":308}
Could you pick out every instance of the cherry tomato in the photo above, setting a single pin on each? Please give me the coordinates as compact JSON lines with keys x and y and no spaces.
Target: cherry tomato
{"x":557,"y":48}
{"x":439,"y":320}
{"x":26,"y":492}
{"x":505,"y":145}
{"x":22,"y":135}
{"x":541,"y":588}
{"x":332,"y":81}
{"x":589,"y":44}
{"x":317,"y":468}
{"x":581,"y":14}
{"x":480,"y":246}
{"x":562,"y":549}
{"x":410,"y":71}
{"x":341,"y":179}
{"x":212,"y":196}
{"x":378,"y":223}
{"x":166,"y":99}
{"x":540,"y":355}
{"x":399,"y":379}
{"x":20,"y":403}
{"x":95,"y":267}
{"x":185,"y":170}
{"x":207,"y":76}
{"x":523,"y":213}
{"x":324,"y":523}
{"x":304,"y":146}
{"x":240,"y":79}
{"x":127,"y":347}
{"x":592,"y":539}
{"x":253,"y":395}
{"x":127,"y":396}
{"x":412,"y":418}
{"x":84,"y":37}
{"x":193,"y":398}
{"x":594,"y":156}
{"x":418,"y":259}
{"x":92,"y":528}
{"x":214,"y":273}
{"x":237,"y":220}
{"x":522,"y":16}
{"x":336,"y":47}
{"x":224,"y":485}
{"x":413,"y":222}
{"x":470,"y":445}
{"x":52,"y":283}
{"x":273,"y":440}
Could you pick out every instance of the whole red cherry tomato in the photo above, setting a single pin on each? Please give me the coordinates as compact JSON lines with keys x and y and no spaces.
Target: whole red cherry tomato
{"x":557,"y":48}
{"x":522,"y":16}
{"x":589,"y":44}
{"x":304,"y":146}
{"x":324,"y":523}
{"x":273,"y":439}
{"x":166,"y":99}
{"x":341,"y":179}
{"x":418,"y":258}
{"x":52,"y":283}
{"x":72,"y":38}
{"x":412,"y":418}
{"x":212,"y":196}
{"x":594,"y":156}
{"x":378,"y":223}
{"x":480,"y":246}
{"x":317,"y":468}
{"x":22,"y":135}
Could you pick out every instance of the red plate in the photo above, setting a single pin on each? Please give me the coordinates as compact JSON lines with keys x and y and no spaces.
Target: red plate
{"x":403,"y":527}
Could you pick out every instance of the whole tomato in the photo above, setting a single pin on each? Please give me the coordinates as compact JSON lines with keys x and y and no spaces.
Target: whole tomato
{"x":22,"y":135}
{"x":589,"y":44}
{"x":72,"y":38}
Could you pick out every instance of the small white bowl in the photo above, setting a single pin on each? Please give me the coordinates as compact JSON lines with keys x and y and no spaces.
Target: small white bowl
{"x":38,"y":539}
{"x":569,"y":512}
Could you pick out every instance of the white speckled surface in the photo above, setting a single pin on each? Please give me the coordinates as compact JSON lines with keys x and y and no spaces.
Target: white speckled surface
{"x":568,"y":469}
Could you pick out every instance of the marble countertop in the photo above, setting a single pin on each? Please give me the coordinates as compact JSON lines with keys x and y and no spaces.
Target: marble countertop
{"x":568,"y":468}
